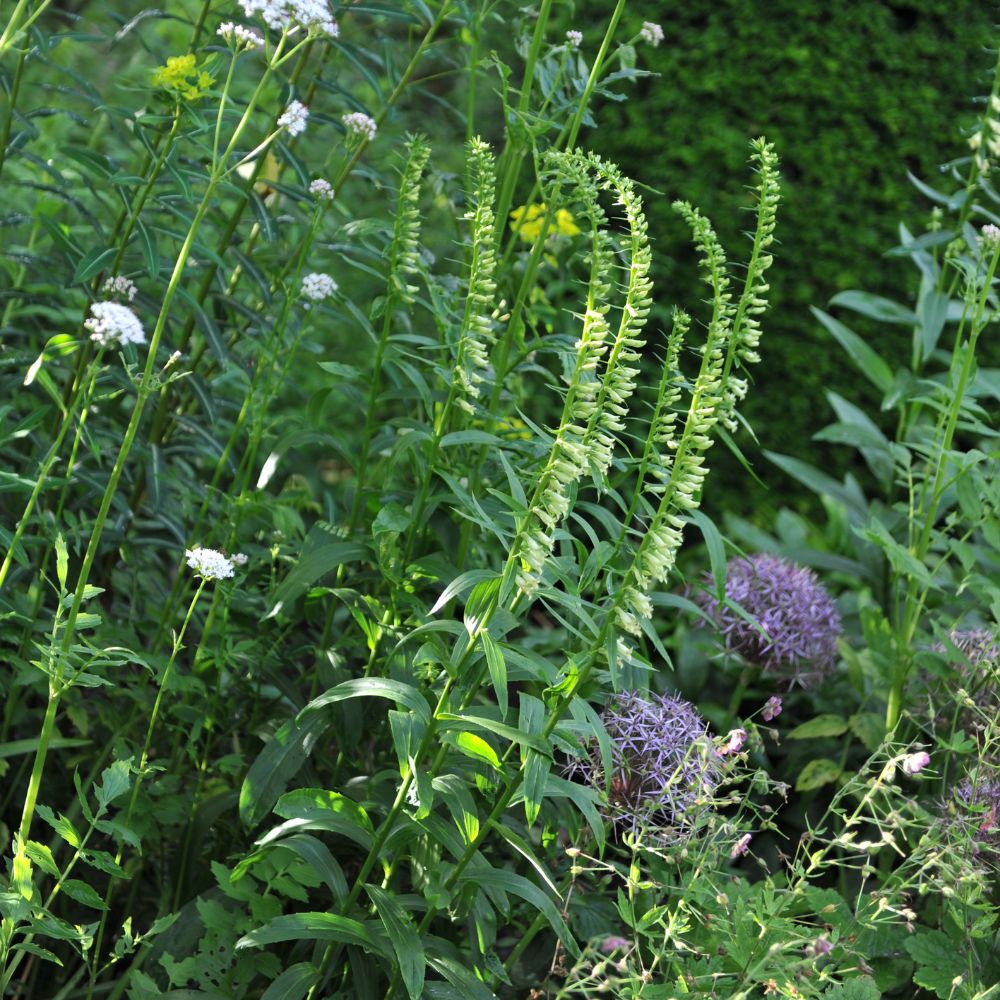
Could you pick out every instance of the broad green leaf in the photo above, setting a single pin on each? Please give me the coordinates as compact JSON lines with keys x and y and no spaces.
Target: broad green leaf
{"x":875,"y":307}
{"x":451,"y":721}
{"x":318,"y":927}
{"x":461,"y":582}
{"x":939,"y":960}
{"x":477,"y":748}
{"x":481,"y":604}
{"x":817,"y":773}
{"x":60,"y":824}
{"x":402,"y":932}
{"x":484,"y":875}
{"x":317,"y":855}
{"x":278,"y":763}
{"x":820,"y":727}
{"x":62,"y":561}
{"x":42,"y":856}
{"x":115,"y":781}
{"x":865,"y":359}
{"x":83,"y":893}
{"x":536,"y":772}
{"x":294,"y":983}
{"x":869,"y":728}
{"x":371,"y":687}
{"x":498,"y":669}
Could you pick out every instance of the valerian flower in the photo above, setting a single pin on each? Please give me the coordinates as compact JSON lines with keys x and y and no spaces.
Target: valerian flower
{"x":318,"y":286}
{"x":321,"y":190}
{"x":285,"y":15}
{"x":182,"y":78}
{"x":651,"y":33}
{"x":663,"y":769}
{"x":294,"y":118}
{"x":360,"y":125}
{"x":240,"y":37}
{"x":120,"y":286}
{"x":799,"y":620}
{"x":574,"y":38}
{"x":989,"y":236}
{"x":112,"y":323}
{"x":212,"y":564}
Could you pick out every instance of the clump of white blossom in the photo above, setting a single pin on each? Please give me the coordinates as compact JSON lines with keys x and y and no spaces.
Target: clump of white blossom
{"x":358,"y":123}
{"x":574,"y":38}
{"x":318,"y":286}
{"x":112,"y":323}
{"x":989,"y":236}
{"x":321,"y":190}
{"x":651,"y":33}
{"x":212,"y":564}
{"x":242,"y":38}
{"x":120,"y":286}
{"x":294,"y":118}
{"x":284,"y":15}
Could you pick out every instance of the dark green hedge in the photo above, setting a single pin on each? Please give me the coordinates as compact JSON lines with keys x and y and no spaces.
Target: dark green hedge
{"x":853,"y":94}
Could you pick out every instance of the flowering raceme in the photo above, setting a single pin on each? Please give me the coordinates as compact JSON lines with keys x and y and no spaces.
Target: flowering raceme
{"x":799,"y":620}
{"x":663,"y":765}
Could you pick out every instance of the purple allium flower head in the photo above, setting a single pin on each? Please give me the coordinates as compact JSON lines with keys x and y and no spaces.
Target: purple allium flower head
{"x":981,"y":797}
{"x":771,"y":709}
{"x":979,"y":645}
{"x":663,"y":765}
{"x":800,"y":622}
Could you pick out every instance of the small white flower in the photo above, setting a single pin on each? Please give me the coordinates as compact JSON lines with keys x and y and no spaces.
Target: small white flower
{"x":321,"y":190}
{"x":318,"y":286}
{"x":989,"y":236}
{"x":120,"y":287}
{"x":240,"y":559}
{"x":651,"y":33}
{"x":212,"y":564}
{"x":294,"y":118}
{"x":242,"y":38}
{"x":112,"y":323}
{"x":574,"y":38}
{"x":284,"y":15}
{"x":916,"y":762}
{"x":360,"y":124}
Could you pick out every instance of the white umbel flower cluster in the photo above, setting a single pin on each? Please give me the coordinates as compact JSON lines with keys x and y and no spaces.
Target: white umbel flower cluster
{"x":112,"y":323}
{"x":358,"y":123}
{"x":120,"y":286}
{"x":574,"y":38}
{"x":212,"y":564}
{"x":651,"y":33}
{"x":284,"y":15}
{"x":240,"y":37}
{"x":321,"y":190}
{"x":294,"y":118}
{"x":318,"y":286}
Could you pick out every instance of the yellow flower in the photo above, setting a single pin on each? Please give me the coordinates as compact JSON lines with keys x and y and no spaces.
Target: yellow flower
{"x":181,"y":76}
{"x":528,"y":220}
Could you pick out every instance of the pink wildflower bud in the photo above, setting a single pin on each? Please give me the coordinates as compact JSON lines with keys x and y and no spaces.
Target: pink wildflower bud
{"x":610,"y":944}
{"x":734,"y":742}
{"x":740,"y":847}
{"x":772,"y":709}
{"x":916,"y":762}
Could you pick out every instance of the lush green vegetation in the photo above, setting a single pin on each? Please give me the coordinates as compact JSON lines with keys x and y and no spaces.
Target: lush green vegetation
{"x":371,"y":623}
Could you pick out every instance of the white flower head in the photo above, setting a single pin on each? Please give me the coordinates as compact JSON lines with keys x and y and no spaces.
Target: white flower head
{"x":651,"y":33}
{"x":317,"y":286}
{"x":989,"y":236}
{"x":119,"y":286}
{"x":321,"y":190}
{"x":112,"y":323}
{"x":212,"y":564}
{"x":360,"y":124}
{"x":294,"y":118}
{"x":240,"y":37}
{"x":574,"y":38}
{"x":285,"y":15}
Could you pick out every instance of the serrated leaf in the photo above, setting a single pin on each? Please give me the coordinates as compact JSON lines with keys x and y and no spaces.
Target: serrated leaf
{"x":939,"y":960}
{"x":83,"y":893}
{"x":821,"y":726}
{"x":869,"y":728}
{"x":817,"y":773}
